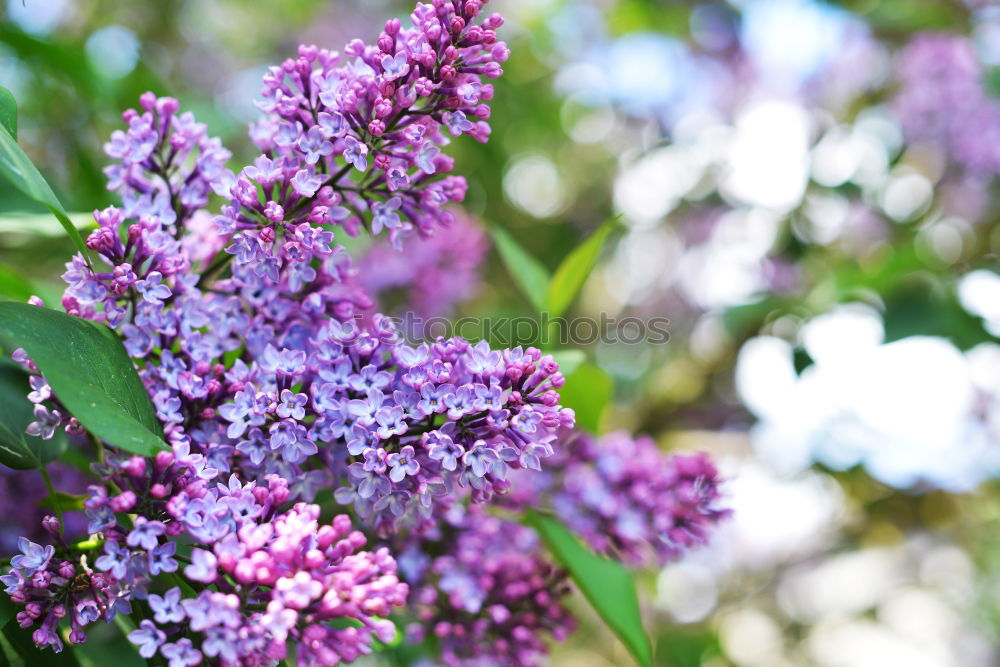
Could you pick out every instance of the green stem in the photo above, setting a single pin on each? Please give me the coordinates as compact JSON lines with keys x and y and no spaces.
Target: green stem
{"x":98,"y":447}
{"x":220,"y":262}
{"x":52,"y":495}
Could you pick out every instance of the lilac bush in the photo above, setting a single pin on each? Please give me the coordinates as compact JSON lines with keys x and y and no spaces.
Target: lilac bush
{"x":299,"y":426}
{"x":942,"y":100}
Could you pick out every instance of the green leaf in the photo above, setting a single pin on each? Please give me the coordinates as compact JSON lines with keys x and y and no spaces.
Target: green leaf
{"x":527,"y":272}
{"x":19,"y":450}
{"x":8,"y":112}
{"x":107,"y":645}
{"x":588,"y":391}
{"x":606,"y":584}
{"x":63,"y":502}
{"x":13,"y":284}
{"x":568,"y":360}
{"x":572,"y":273}
{"x":7,"y":611}
{"x":89,"y":371}
{"x":18,"y":169}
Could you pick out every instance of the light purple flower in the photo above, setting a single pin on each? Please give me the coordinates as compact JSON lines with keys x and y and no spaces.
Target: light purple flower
{"x":314,"y":144}
{"x":148,"y":638}
{"x":402,"y":463}
{"x":202,"y":567}
{"x":32,"y":557}
{"x":45,"y":424}
{"x":161,"y":558}
{"x":394,"y":67}
{"x":167,"y":609}
{"x":145,"y":533}
{"x":356,"y":153}
{"x":151,"y":290}
{"x":440,"y":447}
{"x":479,"y":458}
{"x":181,"y":653}
{"x":115,"y":560}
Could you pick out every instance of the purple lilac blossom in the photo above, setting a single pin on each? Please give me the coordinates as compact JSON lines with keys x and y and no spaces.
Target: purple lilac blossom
{"x":273,"y":378}
{"x":626,"y":498}
{"x":942,"y":100}
{"x":292,"y":574}
{"x":366,"y":127}
{"x":433,"y":275}
{"x":309,"y":374}
{"x":489,"y":597}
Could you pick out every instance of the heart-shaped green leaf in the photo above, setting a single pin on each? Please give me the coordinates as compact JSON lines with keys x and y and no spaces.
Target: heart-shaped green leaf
{"x":89,"y":371}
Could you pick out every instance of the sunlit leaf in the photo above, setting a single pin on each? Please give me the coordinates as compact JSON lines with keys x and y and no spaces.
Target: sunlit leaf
{"x":568,"y":360}
{"x":527,"y":272}
{"x":63,"y":502}
{"x":8,"y":112}
{"x":572,"y":273}
{"x":588,"y":391}
{"x":606,"y":584}
{"x":22,"y":174}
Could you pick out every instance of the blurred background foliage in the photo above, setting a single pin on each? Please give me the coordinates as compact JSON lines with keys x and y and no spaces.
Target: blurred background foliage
{"x":807,"y":190}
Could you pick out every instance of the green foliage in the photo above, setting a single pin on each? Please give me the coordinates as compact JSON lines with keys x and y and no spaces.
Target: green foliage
{"x":527,"y":272}
{"x":13,"y":285}
{"x":90,"y":371}
{"x":588,"y":391}
{"x":63,"y":502}
{"x":22,"y":174}
{"x":8,"y":112}
{"x":19,"y":450}
{"x":107,"y":645}
{"x":606,"y":584}
{"x":572,"y":273}
{"x":551,"y":294}
{"x":7,"y":611}
{"x":568,"y":360}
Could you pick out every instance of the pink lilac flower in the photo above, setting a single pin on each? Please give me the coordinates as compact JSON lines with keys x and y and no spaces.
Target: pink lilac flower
{"x":294,"y":574}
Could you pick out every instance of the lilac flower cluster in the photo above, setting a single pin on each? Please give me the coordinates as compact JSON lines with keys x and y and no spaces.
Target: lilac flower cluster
{"x":489,"y":598}
{"x":433,"y":275}
{"x":277,"y":576}
{"x":378,"y":119}
{"x":942,"y":100}
{"x":168,"y":165}
{"x":52,"y":589}
{"x":627,"y":499}
{"x":274,"y":378}
{"x":415,"y":420}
